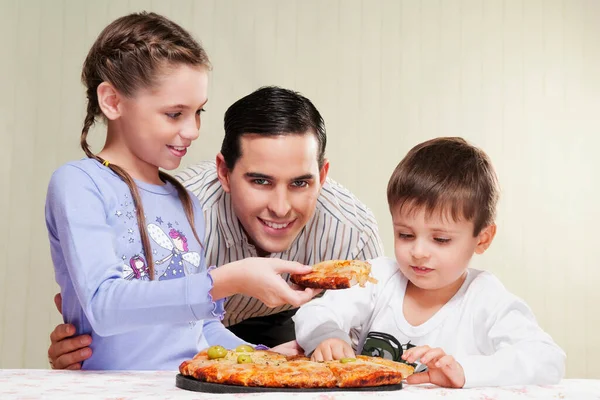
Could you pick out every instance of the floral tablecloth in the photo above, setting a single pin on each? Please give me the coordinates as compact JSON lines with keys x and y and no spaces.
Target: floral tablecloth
{"x":48,"y":384}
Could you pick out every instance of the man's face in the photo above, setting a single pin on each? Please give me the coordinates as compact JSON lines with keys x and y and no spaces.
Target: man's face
{"x":274,"y":187}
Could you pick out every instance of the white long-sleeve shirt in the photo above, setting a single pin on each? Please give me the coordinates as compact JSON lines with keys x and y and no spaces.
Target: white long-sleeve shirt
{"x":491,"y":332}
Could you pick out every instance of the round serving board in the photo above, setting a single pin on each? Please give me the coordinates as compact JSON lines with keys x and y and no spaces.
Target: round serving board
{"x":188,"y":383}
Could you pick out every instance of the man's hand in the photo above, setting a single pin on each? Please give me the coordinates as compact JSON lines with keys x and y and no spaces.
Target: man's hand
{"x":332,"y":349}
{"x":66,"y":352}
{"x":442,"y":369}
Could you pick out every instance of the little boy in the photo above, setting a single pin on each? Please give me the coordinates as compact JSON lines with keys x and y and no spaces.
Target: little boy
{"x":461,"y":323}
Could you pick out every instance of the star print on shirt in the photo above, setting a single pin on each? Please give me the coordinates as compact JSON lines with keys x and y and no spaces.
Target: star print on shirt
{"x":159,"y":220}
{"x":118,"y":213}
{"x":170,"y":225}
{"x":129,"y":215}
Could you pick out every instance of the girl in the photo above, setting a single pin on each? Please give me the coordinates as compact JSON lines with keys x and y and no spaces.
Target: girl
{"x":147,"y":78}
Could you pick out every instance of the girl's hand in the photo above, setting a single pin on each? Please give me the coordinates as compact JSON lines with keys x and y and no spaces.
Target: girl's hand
{"x":260,"y":277}
{"x":442,"y":369}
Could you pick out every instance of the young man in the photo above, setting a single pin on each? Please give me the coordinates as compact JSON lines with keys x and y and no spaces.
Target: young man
{"x":267,"y":195}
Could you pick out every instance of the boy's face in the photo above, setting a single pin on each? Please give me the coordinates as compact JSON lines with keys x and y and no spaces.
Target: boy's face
{"x":274,"y":187}
{"x":434,"y":251}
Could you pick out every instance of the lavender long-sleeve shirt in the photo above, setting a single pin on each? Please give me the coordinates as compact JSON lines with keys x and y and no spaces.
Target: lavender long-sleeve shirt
{"x":100,"y":266}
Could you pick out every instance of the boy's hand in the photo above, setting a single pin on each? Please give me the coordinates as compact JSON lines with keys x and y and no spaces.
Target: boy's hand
{"x":442,"y":369}
{"x":332,"y":349}
{"x":291,"y":348}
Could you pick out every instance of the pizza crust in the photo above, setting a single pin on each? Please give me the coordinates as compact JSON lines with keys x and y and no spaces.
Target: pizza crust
{"x":336,"y":274}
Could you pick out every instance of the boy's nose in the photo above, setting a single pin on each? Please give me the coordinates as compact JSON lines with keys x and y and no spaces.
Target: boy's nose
{"x":419,"y":251}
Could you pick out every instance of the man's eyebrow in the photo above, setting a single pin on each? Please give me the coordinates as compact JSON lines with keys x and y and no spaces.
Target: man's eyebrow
{"x":258,"y":175}
{"x":303,"y":177}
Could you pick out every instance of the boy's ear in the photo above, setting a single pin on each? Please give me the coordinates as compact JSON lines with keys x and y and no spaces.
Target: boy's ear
{"x":485,"y":238}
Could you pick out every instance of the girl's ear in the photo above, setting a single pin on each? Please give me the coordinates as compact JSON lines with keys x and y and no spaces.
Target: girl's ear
{"x":485,"y":238}
{"x":109,"y":100}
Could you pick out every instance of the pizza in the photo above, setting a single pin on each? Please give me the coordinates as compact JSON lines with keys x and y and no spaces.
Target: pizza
{"x":335,"y":274}
{"x":245,"y":366}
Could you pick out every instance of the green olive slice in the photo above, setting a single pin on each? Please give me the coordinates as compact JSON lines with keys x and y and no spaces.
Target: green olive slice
{"x":244,"y":359}
{"x":216,"y":352}
{"x":244,"y":348}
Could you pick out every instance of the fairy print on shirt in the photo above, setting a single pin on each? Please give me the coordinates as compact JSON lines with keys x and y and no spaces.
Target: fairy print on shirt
{"x":176,"y":264}
{"x":137,"y":269}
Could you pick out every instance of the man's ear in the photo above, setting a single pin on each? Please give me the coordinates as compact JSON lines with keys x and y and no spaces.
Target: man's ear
{"x":323,"y":172}
{"x":109,"y":100}
{"x":485,"y":238}
{"x":223,"y":172}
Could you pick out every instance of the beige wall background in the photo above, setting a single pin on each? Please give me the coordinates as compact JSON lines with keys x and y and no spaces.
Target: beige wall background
{"x":519,"y":78}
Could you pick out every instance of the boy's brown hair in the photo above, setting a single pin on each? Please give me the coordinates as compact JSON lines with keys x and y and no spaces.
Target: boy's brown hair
{"x":446,"y":175}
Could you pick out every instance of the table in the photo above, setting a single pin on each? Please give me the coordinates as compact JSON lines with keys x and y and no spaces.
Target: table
{"x":124,"y":385}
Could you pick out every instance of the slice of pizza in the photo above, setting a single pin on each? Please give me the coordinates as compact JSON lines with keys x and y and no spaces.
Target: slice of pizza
{"x":354,"y":372}
{"x":295,"y":374}
{"x":336,"y":274}
{"x":404,"y":368}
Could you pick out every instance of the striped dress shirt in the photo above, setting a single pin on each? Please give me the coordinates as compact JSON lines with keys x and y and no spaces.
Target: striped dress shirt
{"x":341,"y":228}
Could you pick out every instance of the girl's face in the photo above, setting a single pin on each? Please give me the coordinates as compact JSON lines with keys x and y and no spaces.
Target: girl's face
{"x":158,"y":124}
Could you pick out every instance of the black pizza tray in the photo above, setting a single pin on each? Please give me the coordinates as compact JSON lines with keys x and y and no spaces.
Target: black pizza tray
{"x":188,"y":383}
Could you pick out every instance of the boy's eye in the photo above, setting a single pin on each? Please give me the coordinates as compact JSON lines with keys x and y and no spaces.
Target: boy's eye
{"x":442,"y":240}
{"x":300,"y":184}
{"x":173,"y":115}
{"x":200,"y":111}
{"x":260,"y":181}
{"x":405,"y":236}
